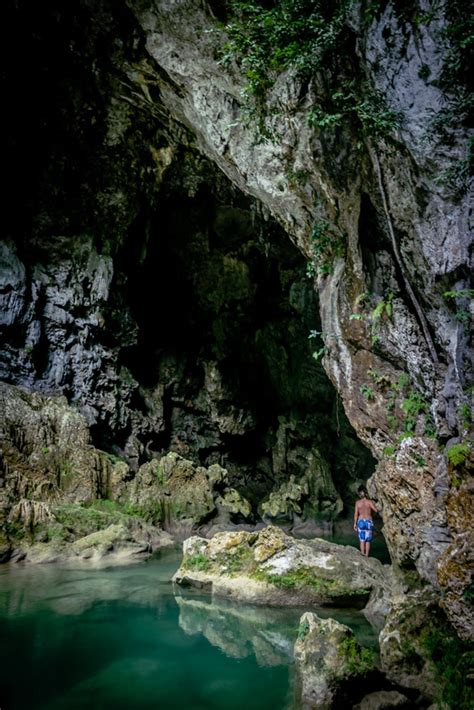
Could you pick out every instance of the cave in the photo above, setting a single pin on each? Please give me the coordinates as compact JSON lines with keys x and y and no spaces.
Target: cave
{"x":204,"y":339}
{"x":233,"y":290}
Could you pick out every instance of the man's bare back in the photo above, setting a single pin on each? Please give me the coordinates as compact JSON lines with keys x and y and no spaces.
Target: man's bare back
{"x":364,"y":509}
{"x":363,"y":523}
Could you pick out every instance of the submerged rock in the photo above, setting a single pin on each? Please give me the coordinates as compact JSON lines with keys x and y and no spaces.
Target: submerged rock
{"x":330,"y":664}
{"x":383,"y":700}
{"x":270,"y":567}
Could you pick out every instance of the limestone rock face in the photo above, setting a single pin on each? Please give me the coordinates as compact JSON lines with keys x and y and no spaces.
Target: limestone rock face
{"x":313,"y":496}
{"x":46,"y":452}
{"x":182,"y":494}
{"x":383,"y":311}
{"x":392,"y":300}
{"x":50,"y":479}
{"x":270,"y":567}
{"x":403,"y":651}
{"x":329,"y":659}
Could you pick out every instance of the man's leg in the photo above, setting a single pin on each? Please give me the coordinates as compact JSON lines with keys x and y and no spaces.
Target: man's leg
{"x":367,"y":549}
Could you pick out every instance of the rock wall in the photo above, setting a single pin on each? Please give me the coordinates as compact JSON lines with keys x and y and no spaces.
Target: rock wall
{"x":396,"y":349}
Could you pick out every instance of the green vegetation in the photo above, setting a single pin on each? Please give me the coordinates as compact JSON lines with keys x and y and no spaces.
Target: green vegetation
{"x":306,"y":36}
{"x":304,"y":578}
{"x":465,"y":414}
{"x":198,"y":562}
{"x":237,"y":560}
{"x":458,"y":454}
{"x":462,"y":314}
{"x":420,"y":461}
{"x":303,"y":630}
{"x":383,"y":308}
{"x":113,"y":458}
{"x":367,"y":392}
{"x":462,"y":293}
{"x":389,"y":451}
{"x":159,"y":473}
{"x":357,"y":660}
{"x":380,"y":380}
{"x":413,"y":406}
{"x":453,"y":661}
{"x":317,"y":354}
{"x":86,"y":518}
{"x":456,"y":81}
{"x":58,"y":533}
{"x":327,"y":244}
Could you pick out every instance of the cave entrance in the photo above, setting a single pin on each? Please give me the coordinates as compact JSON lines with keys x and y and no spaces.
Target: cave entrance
{"x":223,"y":356}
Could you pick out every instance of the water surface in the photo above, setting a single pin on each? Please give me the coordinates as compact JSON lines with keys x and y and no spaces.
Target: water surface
{"x":120,"y":638}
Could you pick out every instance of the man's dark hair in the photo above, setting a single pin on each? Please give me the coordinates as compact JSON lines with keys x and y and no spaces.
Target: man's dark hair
{"x":362,"y":489}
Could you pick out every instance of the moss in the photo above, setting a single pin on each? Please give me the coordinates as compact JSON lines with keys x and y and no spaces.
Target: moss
{"x":239,"y":559}
{"x":198,"y":562}
{"x":304,"y":578}
{"x":303,"y":630}
{"x":453,"y":661}
{"x":357,"y":660}
{"x":57,"y":533}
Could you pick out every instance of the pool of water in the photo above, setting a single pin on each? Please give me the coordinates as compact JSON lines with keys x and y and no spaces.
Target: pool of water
{"x":120,"y":638}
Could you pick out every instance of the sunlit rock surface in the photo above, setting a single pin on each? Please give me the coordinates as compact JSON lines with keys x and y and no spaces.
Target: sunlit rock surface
{"x":270,"y":567}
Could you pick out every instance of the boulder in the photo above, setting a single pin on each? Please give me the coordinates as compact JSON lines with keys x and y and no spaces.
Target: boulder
{"x":270,"y":567}
{"x":331,"y":666}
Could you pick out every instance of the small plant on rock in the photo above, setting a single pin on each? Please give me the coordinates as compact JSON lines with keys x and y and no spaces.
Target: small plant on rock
{"x":458,"y":454}
{"x":198,"y":561}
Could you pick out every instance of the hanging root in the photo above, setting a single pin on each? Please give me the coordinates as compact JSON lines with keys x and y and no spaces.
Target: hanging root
{"x":421,"y":316}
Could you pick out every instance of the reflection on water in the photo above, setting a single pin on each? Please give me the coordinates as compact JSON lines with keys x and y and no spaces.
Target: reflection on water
{"x":241,"y":631}
{"x":118,"y":638}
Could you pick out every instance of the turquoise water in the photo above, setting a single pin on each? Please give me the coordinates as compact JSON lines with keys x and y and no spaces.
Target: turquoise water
{"x":119,"y":638}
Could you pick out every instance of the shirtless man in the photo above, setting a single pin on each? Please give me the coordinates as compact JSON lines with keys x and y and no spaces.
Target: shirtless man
{"x":363,"y":523}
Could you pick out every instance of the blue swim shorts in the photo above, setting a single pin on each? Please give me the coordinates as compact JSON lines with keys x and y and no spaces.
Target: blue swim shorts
{"x":365,"y":528}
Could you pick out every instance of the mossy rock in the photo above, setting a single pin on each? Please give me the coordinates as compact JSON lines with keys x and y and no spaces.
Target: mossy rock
{"x":271,"y":567}
{"x":329,"y":662}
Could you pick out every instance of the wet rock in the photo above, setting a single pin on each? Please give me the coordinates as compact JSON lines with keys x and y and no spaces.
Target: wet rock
{"x":330,"y":663}
{"x":270,"y":567}
{"x":383,"y":700}
{"x":114,"y":544}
